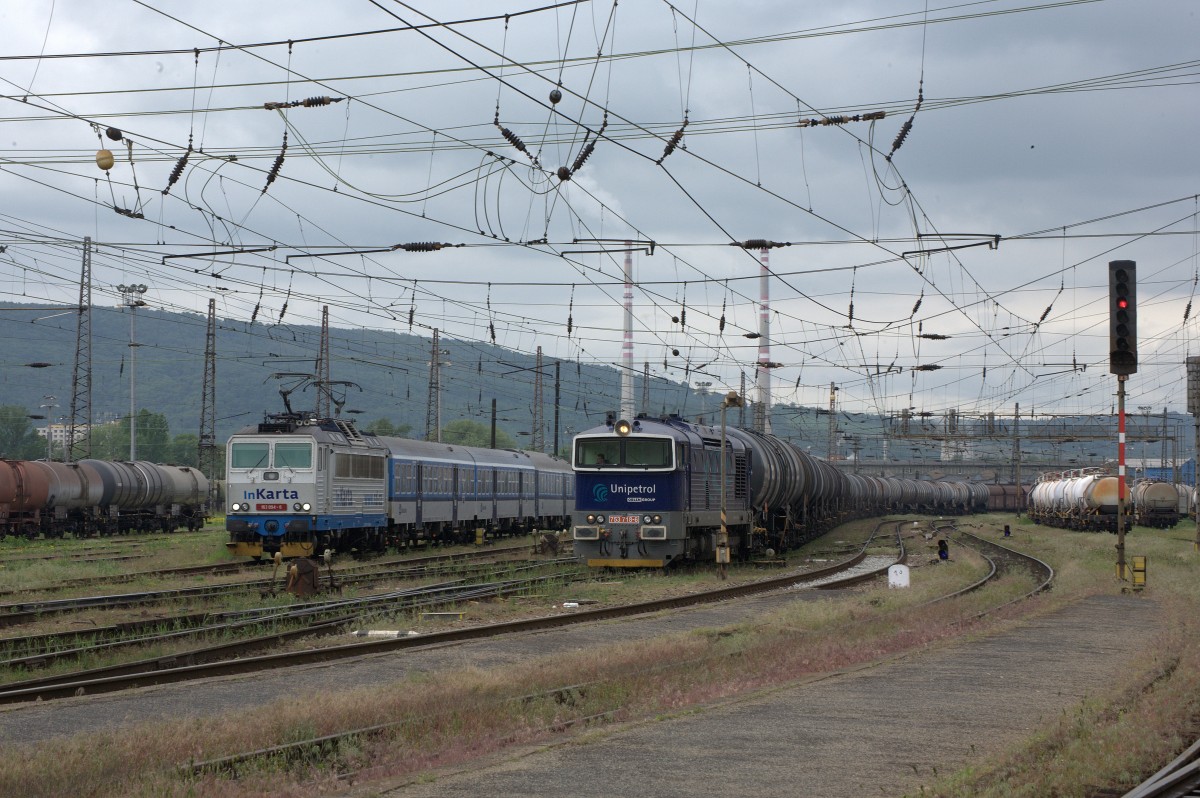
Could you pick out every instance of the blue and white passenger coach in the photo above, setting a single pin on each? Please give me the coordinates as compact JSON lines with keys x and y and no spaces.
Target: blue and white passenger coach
{"x":648,"y":493}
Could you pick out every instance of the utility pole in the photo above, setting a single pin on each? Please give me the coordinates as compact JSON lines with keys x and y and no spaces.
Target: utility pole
{"x":1163,"y":464}
{"x":557,"y":383}
{"x":207,"y":454}
{"x":537,"y":440}
{"x":1017,"y":457}
{"x":323,"y":386}
{"x":645,"y":385}
{"x":831,"y":449}
{"x":433,"y":412}
{"x":742,"y":407}
{"x":762,"y":410}
{"x":49,"y":404}
{"x":133,"y":303}
{"x":627,"y":408}
{"x":1193,"y":401}
{"x":81,"y":374}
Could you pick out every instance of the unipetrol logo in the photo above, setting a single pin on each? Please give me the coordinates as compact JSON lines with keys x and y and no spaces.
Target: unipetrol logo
{"x":632,"y":494}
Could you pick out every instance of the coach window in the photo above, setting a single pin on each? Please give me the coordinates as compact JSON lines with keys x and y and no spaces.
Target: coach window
{"x":250,"y":455}
{"x":293,"y":455}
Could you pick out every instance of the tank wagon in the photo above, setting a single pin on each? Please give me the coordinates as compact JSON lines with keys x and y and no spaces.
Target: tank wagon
{"x":98,"y":497}
{"x":648,"y":493}
{"x":298,"y":486}
{"x":1084,"y":499}
{"x":1155,"y":503}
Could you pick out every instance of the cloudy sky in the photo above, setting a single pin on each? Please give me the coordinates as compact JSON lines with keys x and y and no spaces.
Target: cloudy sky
{"x":962,"y":265}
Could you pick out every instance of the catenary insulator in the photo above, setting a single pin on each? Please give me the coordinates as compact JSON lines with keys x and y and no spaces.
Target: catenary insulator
{"x":555,"y":96}
{"x":113,"y":133}
{"x":584,"y":154}
{"x":673,"y":143}
{"x":423,"y":246}
{"x":104,"y":159}
{"x":177,"y":171}
{"x":563,"y":173}
{"x":515,"y":140}
{"x":275,"y":167}
{"x":759,"y":243}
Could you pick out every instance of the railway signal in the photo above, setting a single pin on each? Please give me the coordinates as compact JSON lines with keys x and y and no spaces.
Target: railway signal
{"x":1122,"y":318}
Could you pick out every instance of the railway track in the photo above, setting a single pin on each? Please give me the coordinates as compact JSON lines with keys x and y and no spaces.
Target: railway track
{"x":42,"y":650}
{"x":1180,"y":778}
{"x":853,"y":570}
{"x":18,"y":613}
{"x":221,"y":569}
{"x":237,"y":656}
{"x":857,"y":568}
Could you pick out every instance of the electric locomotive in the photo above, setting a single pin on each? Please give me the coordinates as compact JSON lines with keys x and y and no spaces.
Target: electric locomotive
{"x":299,"y":486}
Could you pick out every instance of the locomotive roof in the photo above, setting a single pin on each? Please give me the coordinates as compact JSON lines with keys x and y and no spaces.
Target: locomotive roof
{"x":321,"y":430}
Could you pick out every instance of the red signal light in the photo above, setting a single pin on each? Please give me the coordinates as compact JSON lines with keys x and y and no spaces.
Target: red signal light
{"x":1122,"y":303}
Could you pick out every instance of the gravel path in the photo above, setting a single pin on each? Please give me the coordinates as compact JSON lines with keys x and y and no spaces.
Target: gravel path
{"x":876,"y":731}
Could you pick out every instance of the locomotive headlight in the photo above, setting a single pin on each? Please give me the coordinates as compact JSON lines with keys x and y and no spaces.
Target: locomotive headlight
{"x":599,"y":519}
{"x":591,"y":519}
{"x":658,"y":519}
{"x":237,"y":508}
{"x":296,"y":506}
{"x":306,"y":507}
{"x":623,"y":428}
{"x":645,"y":519}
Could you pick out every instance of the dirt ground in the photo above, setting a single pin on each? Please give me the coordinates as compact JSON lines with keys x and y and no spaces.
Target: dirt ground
{"x":881,"y":730}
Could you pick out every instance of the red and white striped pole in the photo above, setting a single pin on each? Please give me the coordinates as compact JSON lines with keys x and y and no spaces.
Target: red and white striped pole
{"x":1121,"y":476}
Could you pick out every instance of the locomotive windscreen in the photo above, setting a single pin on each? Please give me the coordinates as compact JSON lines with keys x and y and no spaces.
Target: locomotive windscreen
{"x":625,"y":452}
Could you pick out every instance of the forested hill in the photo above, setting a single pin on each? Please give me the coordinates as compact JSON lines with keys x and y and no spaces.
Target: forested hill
{"x":389,"y":372}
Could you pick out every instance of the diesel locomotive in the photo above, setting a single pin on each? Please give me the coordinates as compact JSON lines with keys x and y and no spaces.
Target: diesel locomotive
{"x":652,"y":492}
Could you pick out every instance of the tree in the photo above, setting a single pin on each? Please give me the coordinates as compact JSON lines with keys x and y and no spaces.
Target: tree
{"x":111,"y":441}
{"x":185,"y":449}
{"x":18,"y":439}
{"x":383,"y":426}
{"x":465,"y":432}
{"x":153,"y":437}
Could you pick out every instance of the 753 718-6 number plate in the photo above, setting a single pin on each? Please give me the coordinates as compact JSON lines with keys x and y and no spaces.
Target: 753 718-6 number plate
{"x":624,"y":519}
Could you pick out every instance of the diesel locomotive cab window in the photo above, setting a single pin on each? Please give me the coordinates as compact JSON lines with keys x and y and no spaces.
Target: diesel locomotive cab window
{"x":598,"y":452}
{"x":648,"y":452}
{"x":293,"y":455}
{"x":250,"y":455}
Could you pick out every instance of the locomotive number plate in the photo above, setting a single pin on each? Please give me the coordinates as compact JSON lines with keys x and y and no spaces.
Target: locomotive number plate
{"x":270,"y":508}
{"x":624,"y":519}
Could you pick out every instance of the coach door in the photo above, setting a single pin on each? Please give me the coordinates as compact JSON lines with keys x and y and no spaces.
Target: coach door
{"x":419,"y":491}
